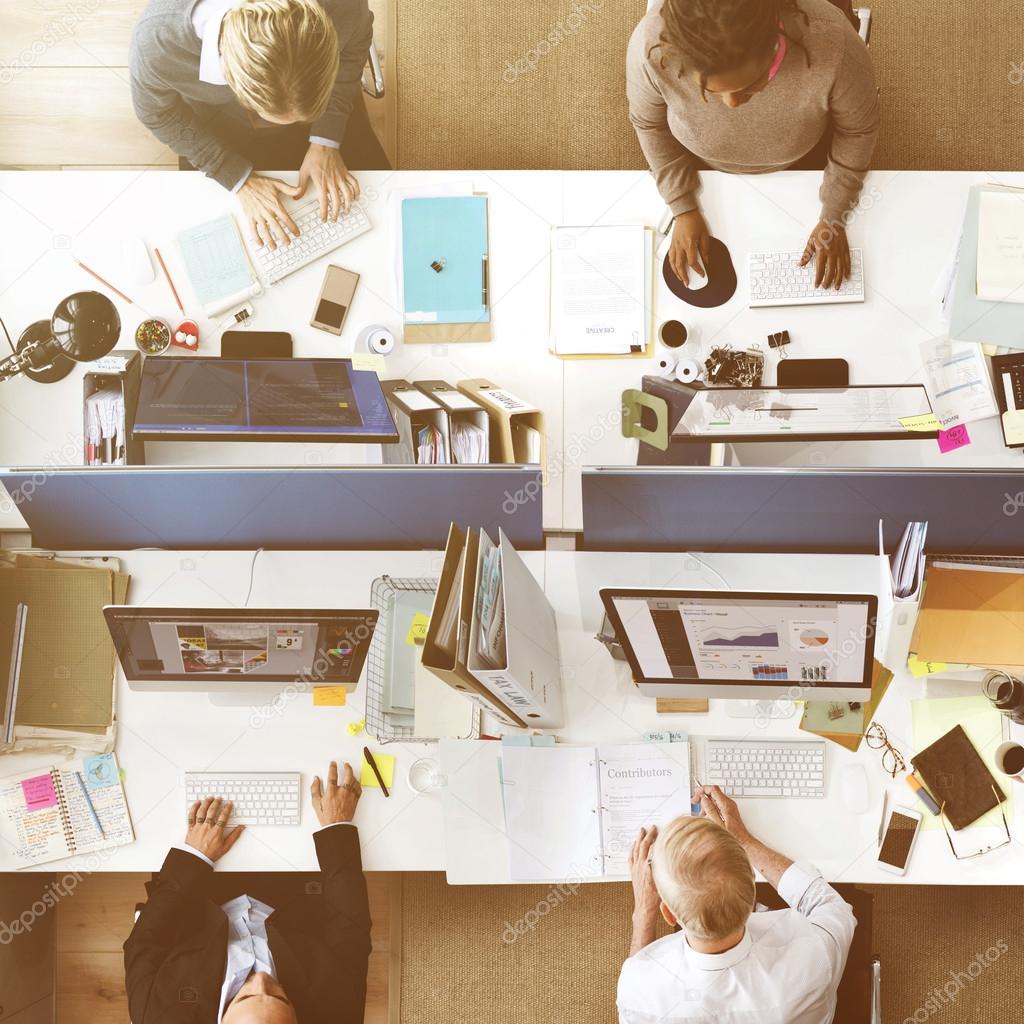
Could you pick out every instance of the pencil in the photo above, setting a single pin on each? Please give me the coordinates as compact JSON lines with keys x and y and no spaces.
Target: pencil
{"x":103,"y":281}
{"x":376,"y":771}
{"x":167,"y":274}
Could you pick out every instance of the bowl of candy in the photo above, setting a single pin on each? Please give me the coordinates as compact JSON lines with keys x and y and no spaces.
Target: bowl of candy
{"x":152,"y":337}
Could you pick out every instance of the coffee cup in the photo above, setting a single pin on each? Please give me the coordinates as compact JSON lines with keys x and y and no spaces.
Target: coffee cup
{"x":1010,"y":759}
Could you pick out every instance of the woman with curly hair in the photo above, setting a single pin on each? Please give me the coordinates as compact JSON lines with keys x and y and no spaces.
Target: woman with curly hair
{"x":751,"y":86}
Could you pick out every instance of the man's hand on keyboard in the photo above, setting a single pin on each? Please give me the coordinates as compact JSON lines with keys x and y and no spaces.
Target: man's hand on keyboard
{"x":723,"y":810}
{"x":337,"y":189}
{"x":830,"y":250}
{"x":336,"y":802}
{"x":264,"y":211}
{"x":690,"y":238}
{"x":207,"y":827}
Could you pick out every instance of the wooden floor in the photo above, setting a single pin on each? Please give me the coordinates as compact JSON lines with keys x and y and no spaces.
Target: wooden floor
{"x":93,"y":923}
{"x":64,"y":87}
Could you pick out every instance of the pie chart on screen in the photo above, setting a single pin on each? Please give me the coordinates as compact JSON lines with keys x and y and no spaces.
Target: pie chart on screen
{"x":813,"y":638}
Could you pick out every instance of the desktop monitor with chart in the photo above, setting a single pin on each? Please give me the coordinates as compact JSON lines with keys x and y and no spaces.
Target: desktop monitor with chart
{"x":239,"y":651}
{"x":745,"y":645}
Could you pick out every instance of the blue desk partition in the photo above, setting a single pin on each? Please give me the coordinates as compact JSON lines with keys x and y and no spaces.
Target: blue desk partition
{"x":971,"y":512}
{"x":322,"y":508}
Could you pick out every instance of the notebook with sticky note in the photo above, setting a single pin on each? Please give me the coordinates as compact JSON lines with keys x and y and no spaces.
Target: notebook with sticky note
{"x":73,"y":808}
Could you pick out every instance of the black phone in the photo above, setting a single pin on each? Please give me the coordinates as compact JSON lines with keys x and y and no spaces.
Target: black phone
{"x":256,"y":345}
{"x":813,"y":373}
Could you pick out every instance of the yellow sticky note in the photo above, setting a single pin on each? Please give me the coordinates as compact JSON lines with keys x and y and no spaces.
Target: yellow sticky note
{"x":368,"y":361}
{"x":355,"y":728}
{"x":329,"y":696}
{"x":922,"y":424}
{"x":919,"y":668}
{"x":418,"y":630}
{"x":386,"y":766}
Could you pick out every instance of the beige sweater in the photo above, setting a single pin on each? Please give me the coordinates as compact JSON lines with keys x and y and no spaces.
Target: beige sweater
{"x":776,"y":128}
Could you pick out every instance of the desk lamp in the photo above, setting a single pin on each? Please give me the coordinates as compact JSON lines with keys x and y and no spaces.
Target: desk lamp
{"x":84,"y":327}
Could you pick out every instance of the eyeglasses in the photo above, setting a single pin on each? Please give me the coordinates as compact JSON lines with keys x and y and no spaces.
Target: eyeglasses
{"x":892,"y":759}
{"x":988,"y":849}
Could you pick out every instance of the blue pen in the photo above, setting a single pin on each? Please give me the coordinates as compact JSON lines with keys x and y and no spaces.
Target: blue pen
{"x":89,"y":804}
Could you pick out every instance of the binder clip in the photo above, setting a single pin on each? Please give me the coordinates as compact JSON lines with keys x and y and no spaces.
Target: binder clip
{"x":778,"y":343}
{"x":634,"y":402}
{"x":438,"y":265}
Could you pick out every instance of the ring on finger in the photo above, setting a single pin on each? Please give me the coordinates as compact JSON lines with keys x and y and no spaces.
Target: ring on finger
{"x":200,"y":820}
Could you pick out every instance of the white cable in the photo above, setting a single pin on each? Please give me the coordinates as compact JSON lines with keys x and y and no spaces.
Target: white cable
{"x":252,"y":569}
{"x":710,"y":568}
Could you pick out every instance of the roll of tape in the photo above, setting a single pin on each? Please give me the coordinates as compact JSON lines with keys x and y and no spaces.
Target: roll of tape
{"x":376,"y":338}
{"x":667,"y":366}
{"x":686,"y":371}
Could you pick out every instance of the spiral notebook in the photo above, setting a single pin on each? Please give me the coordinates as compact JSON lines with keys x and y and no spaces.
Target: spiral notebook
{"x":574,"y":812}
{"x":47,"y":815}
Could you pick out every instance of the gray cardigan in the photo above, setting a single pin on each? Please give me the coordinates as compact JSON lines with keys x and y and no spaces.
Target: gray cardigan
{"x":175,"y":105}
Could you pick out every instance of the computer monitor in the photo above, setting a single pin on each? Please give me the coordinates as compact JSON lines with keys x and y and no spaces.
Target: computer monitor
{"x":201,"y":399}
{"x":247,"y":653}
{"x":746,"y":645}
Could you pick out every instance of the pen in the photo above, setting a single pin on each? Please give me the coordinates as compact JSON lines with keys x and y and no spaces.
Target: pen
{"x":376,"y":771}
{"x":695,"y":807}
{"x":922,"y":794}
{"x":89,"y":804}
{"x":103,"y":281}
{"x":885,"y":807}
{"x":167,"y":274}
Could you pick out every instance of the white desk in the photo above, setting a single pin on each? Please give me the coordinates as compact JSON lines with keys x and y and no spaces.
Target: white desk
{"x":57,"y":218}
{"x":907,"y":227}
{"x":162,"y":735}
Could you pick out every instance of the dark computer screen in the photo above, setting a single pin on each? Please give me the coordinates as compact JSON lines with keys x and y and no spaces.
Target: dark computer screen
{"x":261,"y":399}
{"x":254,"y":645}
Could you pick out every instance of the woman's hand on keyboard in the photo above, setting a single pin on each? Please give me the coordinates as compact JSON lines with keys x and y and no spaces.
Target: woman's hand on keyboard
{"x":830,"y":249}
{"x":337,"y":189}
{"x":264,"y":210}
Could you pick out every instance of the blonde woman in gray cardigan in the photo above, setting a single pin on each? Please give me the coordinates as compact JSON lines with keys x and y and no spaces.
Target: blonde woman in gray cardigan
{"x":750,"y":86}
{"x":235,"y":86}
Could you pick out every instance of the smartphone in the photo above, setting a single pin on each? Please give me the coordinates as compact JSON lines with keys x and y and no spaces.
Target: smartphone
{"x":335,"y":299}
{"x":899,"y":838}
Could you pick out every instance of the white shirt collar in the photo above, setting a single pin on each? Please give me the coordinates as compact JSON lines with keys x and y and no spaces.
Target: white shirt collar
{"x":207,"y":16}
{"x":248,"y":946}
{"x":719,"y":961}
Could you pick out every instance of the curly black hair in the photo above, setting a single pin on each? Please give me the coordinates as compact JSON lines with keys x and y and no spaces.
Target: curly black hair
{"x":713,"y":36}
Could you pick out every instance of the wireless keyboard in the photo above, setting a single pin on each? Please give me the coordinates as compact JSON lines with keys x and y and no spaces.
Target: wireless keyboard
{"x":777,"y":279}
{"x":316,"y":238}
{"x":260,"y":798}
{"x":783,"y":768}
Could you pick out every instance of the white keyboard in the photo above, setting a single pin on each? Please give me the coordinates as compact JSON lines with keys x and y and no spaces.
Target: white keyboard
{"x":316,"y":239}
{"x":777,"y":279}
{"x":260,"y":798}
{"x":783,"y":768}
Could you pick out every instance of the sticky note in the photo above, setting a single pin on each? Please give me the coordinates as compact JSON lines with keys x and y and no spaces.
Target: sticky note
{"x":39,"y":792}
{"x":418,"y":630}
{"x":329,"y":696}
{"x":924,"y":423}
{"x":955,"y":437}
{"x":368,"y":361}
{"x":386,"y":766}
{"x":919,"y":668}
{"x":99,"y":772}
{"x":355,"y":728}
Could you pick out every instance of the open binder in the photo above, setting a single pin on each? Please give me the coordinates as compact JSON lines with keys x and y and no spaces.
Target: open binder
{"x":422,"y":425}
{"x":468,"y":423}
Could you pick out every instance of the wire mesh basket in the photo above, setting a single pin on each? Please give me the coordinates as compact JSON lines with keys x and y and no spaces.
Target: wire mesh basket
{"x":384,"y":596}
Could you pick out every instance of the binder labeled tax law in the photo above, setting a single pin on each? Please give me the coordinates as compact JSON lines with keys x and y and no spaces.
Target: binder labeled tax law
{"x":468,"y":422}
{"x":516,"y":426}
{"x":422,"y":425}
{"x":447,"y":641}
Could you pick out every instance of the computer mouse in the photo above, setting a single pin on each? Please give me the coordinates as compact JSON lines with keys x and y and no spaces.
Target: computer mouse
{"x":697,"y":282}
{"x":136,"y":263}
{"x":853,"y":781}
{"x":717,"y":286}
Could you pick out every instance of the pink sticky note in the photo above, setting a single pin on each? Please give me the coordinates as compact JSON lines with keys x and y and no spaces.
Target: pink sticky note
{"x":955,"y":437}
{"x":39,"y":793}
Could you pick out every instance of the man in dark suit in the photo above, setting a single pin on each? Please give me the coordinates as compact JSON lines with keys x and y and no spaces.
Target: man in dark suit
{"x":191,"y":959}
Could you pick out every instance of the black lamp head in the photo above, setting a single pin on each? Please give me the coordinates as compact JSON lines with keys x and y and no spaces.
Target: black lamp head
{"x":86,"y":326}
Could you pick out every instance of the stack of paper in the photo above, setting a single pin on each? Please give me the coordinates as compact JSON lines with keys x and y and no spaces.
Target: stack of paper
{"x":431,"y":449}
{"x":470,"y":443}
{"x":218,"y":265}
{"x":907,"y":563}
{"x":601,"y":289}
{"x":1000,"y":274}
{"x":957,"y":382}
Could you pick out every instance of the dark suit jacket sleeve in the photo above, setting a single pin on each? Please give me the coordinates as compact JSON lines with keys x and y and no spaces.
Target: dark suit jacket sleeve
{"x":354,"y":24}
{"x":344,"y":890}
{"x":174,"y":905}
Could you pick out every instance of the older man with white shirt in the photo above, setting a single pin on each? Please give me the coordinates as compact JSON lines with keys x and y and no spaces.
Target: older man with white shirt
{"x":245,"y":962}
{"x":727,"y":963}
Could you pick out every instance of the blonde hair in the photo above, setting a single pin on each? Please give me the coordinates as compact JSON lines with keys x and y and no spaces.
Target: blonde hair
{"x":280,"y":57}
{"x":704,"y":877}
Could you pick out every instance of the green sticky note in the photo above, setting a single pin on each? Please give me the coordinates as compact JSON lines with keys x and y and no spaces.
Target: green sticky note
{"x":418,"y":630}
